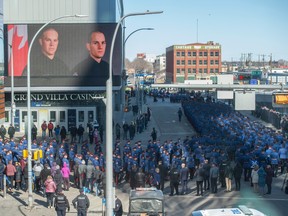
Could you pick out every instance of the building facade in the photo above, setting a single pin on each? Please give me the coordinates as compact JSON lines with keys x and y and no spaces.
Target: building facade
{"x":192,"y":61}
{"x":65,"y":99}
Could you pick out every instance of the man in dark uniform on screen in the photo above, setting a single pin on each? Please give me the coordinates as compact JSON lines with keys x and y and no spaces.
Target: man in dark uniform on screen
{"x":94,"y":66}
{"x":47,"y":63}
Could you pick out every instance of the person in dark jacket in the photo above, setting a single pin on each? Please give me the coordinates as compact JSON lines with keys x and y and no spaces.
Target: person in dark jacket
{"x":133,"y":182}
{"x":206,"y":167}
{"x":214,"y":174}
{"x":81,"y":203}
{"x":44,"y":174}
{"x":174,"y":180}
{"x":63,"y":133}
{"x":18,"y":175}
{"x":184,"y":173}
{"x":140,"y":178}
{"x":269,"y":178}
{"x":238,"y":170}
{"x":118,"y":210}
{"x":199,"y":174}
{"x":58,"y":179}
{"x":163,"y":173}
{"x":61,"y":203}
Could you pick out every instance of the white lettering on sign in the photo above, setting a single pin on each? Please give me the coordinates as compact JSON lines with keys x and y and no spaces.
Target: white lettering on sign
{"x":57,"y":97}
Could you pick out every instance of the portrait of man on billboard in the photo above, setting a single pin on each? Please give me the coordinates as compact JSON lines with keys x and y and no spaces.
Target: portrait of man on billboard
{"x":94,"y":66}
{"x":66,"y":55}
{"x":46,"y":62}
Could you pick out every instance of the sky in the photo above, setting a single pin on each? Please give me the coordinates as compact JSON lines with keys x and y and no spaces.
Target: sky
{"x":239,"y":26}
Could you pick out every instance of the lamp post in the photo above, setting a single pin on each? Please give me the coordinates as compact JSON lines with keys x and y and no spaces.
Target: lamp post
{"x":124,"y":64}
{"x":109,"y":119}
{"x":30,"y":197}
{"x":140,"y":29}
{"x":12,"y":84}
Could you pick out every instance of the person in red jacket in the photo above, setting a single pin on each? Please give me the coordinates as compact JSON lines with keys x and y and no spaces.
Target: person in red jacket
{"x":50,"y":129}
{"x":44,"y":128}
{"x":10,"y":172}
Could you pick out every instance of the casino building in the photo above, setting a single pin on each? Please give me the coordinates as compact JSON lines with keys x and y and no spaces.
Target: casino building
{"x":64,"y":99}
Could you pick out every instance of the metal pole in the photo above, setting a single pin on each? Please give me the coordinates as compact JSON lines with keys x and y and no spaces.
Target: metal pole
{"x":30,"y":196}
{"x":12,"y":84}
{"x":109,"y":119}
{"x":124,"y":64}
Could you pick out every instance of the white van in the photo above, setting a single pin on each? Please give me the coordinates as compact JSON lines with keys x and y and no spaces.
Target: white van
{"x":240,"y":211}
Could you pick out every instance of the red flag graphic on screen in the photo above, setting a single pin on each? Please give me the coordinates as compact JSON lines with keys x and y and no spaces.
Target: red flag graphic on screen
{"x":18,"y":47}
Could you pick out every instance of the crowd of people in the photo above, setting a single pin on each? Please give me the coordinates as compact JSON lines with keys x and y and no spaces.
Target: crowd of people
{"x":227,"y":147}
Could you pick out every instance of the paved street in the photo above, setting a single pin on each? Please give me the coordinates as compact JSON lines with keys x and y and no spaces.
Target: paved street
{"x":165,"y":120}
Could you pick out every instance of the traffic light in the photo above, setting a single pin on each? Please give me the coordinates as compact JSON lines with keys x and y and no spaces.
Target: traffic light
{"x":25,"y":153}
{"x":37,"y":154}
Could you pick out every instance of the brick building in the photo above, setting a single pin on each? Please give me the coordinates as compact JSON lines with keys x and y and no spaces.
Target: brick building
{"x":192,"y":61}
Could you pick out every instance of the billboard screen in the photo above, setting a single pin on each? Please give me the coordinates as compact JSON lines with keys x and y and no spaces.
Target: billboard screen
{"x":66,"y":55}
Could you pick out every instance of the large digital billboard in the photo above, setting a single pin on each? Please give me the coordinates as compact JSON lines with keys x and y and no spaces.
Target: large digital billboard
{"x":66,"y":55}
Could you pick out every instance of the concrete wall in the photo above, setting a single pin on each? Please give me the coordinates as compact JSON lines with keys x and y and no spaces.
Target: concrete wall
{"x":41,"y":11}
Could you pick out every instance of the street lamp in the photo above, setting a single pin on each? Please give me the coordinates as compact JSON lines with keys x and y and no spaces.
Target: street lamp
{"x":124,"y":64}
{"x":109,"y":119}
{"x":141,"y":29}
{"x":12,"y":84}
{"x":30,"y":197}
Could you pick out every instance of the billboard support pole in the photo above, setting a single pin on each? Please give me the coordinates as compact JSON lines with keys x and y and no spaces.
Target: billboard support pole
{"x":29,"y":160}
{"x":109,"y":120}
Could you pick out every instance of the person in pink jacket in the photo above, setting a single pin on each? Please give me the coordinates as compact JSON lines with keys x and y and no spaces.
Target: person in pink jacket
{"x":50,"y":188}
{"x":66,"y":175}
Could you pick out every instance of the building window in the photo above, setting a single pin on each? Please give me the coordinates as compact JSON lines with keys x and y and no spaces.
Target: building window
{"x":216,"y":53}
{"x":216,"y":62}
{"x":205,"y":54}
{"x":24,"y":114}
{"x":194,"y":53}
{"x":194,"y":70}
{"x":200,"y":70}
{"x":211,"y":62}
{"x":205,"y":70}
{"x":216,"y":70}
{"x":178,"y":70}
{"x":200,"y":53}
{"x":80,"y":116}
{"x":189,"y":62}
{"x":211,"y":70}
{"x":205,"y":62}
{"x":182,"y":62}
{"x":62,"y":116}
{"x":53,"y":116}
{"x":90,"y":116}
{"x":182,"y":70}
{"x":200,"y":62}
{"x":211,"y":53}
{"x":177,"y":53}
{"x":189,"y":53}
{"x":189,"y":70}
{"x":194,"y":62}
{"x":182,"y":53}
{"x":178,"y":62}
{"x":7,"y":119}
{"x":34,"y":116}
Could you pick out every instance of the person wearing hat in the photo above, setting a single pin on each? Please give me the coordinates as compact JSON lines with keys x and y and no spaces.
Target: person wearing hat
{"x":118,"y":210}
{"x":81,"y":203}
